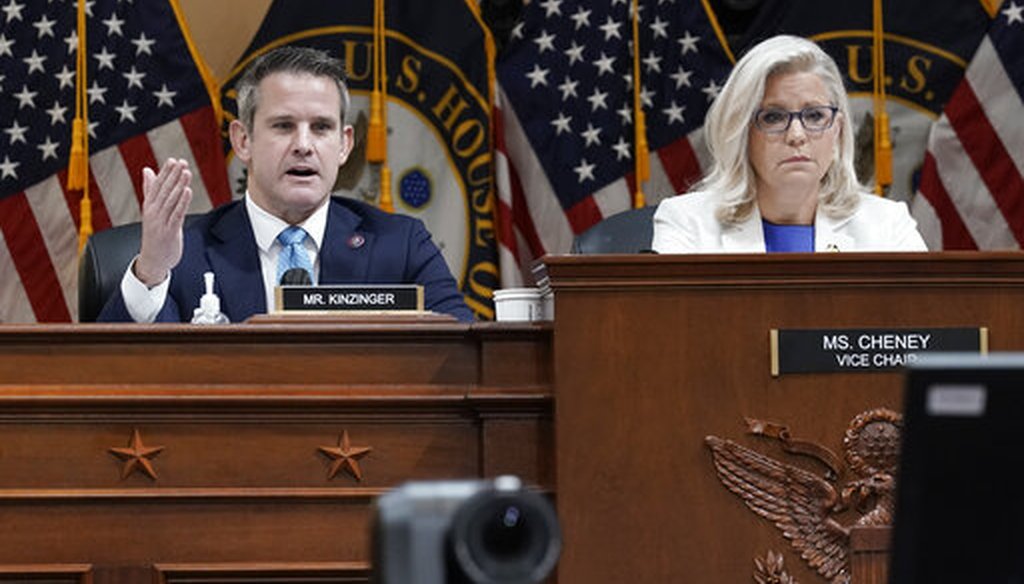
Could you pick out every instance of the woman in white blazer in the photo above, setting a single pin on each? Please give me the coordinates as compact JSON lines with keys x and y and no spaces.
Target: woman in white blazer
{"x":782,"y":177}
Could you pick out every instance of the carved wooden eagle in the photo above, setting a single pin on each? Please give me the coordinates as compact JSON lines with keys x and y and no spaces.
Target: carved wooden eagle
{"x":803,"y":504}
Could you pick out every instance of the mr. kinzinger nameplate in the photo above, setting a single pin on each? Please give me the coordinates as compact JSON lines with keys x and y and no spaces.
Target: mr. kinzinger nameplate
{"x":348,"y":298}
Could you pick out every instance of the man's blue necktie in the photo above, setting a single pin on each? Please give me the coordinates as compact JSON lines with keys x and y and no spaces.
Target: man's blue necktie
{"x":293,"y":254}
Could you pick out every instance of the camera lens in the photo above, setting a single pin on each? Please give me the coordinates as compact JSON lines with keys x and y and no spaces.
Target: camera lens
{"x":505,"y":537}
{"x":506,"y":534}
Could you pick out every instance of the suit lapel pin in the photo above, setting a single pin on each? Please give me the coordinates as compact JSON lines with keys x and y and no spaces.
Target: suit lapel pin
{"x":356,"y":241}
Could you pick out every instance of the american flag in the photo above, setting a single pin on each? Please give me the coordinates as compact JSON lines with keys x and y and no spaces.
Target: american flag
{"x":972,"y":191}
{"x":147,"y":101}
{"x":564,"y":116}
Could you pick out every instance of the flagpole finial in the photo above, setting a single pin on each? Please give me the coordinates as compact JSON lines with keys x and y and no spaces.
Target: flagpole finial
{"x":377,"y":134}
{"x":642,"y":171}
{"x":883,"y":142}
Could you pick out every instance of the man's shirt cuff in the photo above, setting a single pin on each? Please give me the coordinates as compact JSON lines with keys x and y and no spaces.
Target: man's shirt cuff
{"x":143,"y":303}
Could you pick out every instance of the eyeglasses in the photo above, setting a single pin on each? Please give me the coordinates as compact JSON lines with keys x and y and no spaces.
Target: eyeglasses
{"x":814,"y":119}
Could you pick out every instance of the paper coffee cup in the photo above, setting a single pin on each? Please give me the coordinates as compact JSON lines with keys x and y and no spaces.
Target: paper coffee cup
{"x":518,"y":304}
{"x":547,"y":301}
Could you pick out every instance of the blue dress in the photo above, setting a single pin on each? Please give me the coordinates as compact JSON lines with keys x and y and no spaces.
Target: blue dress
{"x":787,"y":238}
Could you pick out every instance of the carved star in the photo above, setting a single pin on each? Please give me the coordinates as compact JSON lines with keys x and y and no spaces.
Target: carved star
{"x":136,"y":456}
{"x":346,"y":457}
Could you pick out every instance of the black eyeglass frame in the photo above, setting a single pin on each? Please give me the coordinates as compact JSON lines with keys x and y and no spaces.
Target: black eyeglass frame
{"x":795,"y":114}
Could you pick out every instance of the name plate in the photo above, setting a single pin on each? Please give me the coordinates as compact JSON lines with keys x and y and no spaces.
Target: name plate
{"x":861,"y":350}
{"x":349,"y":298}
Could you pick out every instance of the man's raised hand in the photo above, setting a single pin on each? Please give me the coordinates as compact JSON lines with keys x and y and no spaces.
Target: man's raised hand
{"x":166,"y":199}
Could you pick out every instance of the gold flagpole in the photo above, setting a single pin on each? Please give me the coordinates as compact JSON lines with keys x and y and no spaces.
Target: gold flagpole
{"x":377,"y":138}
{"x":883,"y":142}
{"x":78,"y":162}
{"x":643,"y":162}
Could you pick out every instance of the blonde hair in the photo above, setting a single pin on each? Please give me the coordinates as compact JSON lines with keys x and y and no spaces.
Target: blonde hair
{"x":727,"y":128}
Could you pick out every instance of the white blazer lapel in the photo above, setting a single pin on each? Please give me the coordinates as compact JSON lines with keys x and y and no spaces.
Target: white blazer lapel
{"x":830,"y":234}
{"x":746,"y":237}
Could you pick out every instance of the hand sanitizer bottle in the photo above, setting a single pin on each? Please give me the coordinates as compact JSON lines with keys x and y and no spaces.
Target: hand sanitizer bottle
{"x":209,"y":306}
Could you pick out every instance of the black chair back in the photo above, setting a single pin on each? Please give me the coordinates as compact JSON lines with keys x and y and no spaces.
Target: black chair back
{"x":105,"y":258}
{"x":102,"y":265}
{"x":626,"y":232}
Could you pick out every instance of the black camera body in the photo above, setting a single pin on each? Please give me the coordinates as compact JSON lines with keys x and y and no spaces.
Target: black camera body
{"x":461,"y":532}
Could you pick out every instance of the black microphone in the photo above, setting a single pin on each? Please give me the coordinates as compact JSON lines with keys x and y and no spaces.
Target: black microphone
{"x":296,"y":277}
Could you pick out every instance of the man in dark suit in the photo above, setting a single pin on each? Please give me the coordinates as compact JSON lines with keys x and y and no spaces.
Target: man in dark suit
{"x":291,"y":135}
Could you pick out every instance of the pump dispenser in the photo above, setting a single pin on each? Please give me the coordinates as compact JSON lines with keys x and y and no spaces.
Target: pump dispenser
{"x":208,"y":311}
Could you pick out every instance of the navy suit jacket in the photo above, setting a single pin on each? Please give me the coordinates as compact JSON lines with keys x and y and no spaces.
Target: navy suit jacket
{"x":392,"y":249}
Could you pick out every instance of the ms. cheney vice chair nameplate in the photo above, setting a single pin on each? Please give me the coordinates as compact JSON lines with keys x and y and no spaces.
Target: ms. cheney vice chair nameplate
{"x":867,"y":349}
{"x":349,"y":298}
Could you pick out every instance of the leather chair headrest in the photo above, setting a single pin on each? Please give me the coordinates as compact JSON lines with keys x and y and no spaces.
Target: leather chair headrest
{"x":626,"y":232}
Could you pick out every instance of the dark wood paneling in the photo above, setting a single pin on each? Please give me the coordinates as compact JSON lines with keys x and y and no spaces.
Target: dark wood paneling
{"x":869,"y":554}
{"x":47,"y":573}
{"x":241,"y":489}
{"x":311,"y":573}
{"x":653,"y":353}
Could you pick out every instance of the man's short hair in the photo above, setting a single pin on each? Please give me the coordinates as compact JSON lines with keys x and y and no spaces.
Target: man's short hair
{"x":287,"y":59}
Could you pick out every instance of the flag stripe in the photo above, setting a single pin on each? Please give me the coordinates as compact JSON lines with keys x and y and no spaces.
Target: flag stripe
{"x":521,"y":218}
{"x":583,"y":215}
{"x":506,"y":229}
{"x":955,"y":234}
{"x":60,"y":234}
{"x":29,"y":252}
{"x":166,"y":142}
{"x":137,"y":154}
{"x":660,"y":185}
{"x":631,"y":181}
{"x":973,"y":177}
{"x":207,"y":151}
{"x":100,"y":219}
{"x":966,"y":189}
{"x":681,"y":164}
{"x":14,"y":303}
{"x":613,"y":198}
{"x":535,"y":204}
{"x":514,"y":222}
{"x":998,"y":98}
{"x":989,"y":155}
{"x":510,"y":278}
{"x":115,"y":184}
{"x":513,"y":213}
{"x":507,"y":187}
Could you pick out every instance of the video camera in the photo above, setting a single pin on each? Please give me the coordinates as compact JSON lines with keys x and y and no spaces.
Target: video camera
{"x":461,"y":532}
